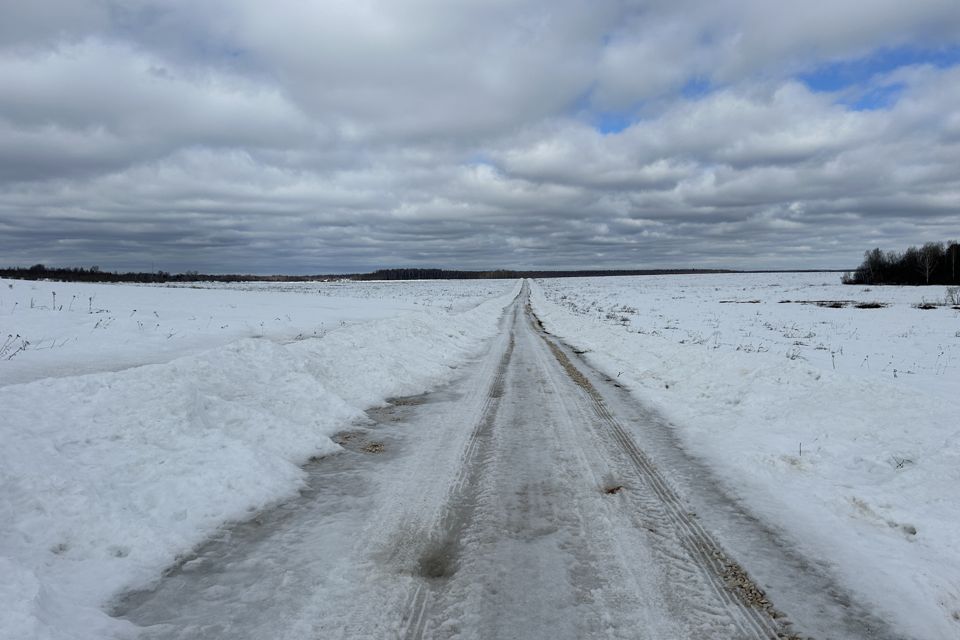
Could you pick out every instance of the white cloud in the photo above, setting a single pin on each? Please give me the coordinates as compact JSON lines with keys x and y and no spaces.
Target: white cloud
{"x":344,"y":135}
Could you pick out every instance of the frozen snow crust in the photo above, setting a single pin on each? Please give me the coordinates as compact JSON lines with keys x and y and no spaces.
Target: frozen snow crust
{"x":107,"y":476}
{"x":872,"y":395}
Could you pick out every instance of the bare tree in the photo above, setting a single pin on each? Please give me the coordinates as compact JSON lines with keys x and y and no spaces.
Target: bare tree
{"x":928,"y":258}
{"x":875,"y":262}
{"x":953,"y":250}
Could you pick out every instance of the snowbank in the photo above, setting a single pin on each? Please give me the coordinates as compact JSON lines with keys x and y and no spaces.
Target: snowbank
{"x":56,"y":329}
{"x":106,"y":477}
{"x":869,"y":394}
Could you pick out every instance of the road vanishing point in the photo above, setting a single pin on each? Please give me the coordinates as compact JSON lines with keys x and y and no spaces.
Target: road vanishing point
{"x":533,"y":497}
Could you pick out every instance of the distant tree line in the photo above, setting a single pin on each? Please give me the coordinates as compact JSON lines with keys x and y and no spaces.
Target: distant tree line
{"x":933,"y":263}
{"x":94,"y":274}
{"x":433,"y":274}
{"x":444,"y":274}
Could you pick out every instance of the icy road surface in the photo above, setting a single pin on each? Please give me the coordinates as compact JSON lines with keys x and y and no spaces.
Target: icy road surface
{"x":532,"y":498}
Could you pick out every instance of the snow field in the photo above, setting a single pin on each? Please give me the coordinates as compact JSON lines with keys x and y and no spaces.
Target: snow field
{"x":108,"y":476}
{"x":837,"y":425}
{"x":104,"y":327}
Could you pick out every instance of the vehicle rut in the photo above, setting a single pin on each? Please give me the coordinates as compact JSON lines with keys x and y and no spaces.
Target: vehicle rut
{"x":812,"y":602}
{"x":437,"y":560}
{"x":745,"y":603}
{"x":714,"y":594}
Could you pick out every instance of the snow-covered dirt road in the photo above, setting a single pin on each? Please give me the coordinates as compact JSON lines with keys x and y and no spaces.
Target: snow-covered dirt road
{"x":531,"y":498}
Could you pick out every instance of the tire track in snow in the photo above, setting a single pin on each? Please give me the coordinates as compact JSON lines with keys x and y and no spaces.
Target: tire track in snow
{"x":437,"y":561}
{"x":743,"y":602}
{"x":816,"y":603}
{"x":726,"y":602}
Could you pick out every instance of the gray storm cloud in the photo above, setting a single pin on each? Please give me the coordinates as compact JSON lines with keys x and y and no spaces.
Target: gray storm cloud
{"x":340,"y":136}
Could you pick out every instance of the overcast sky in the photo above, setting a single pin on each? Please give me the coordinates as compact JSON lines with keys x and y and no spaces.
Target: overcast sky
{"x":310,"y":136}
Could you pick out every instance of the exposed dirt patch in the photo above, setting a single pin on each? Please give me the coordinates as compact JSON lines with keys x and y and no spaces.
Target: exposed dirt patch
{"x":438,"y":561}
{"x":739,"y":302}
{"x":572,"y":371}
{"x":747,"y":590}
{"x":345,"y":438}
{"x":840,"y":304}
{"x":613,"y":489}
{"x":536,"y":319}
{"x":827,"y":304}
{"x":373,"y":447}
{"x":408,"y":401}
{"x":397,"y":408}
{"x":355,"y":441}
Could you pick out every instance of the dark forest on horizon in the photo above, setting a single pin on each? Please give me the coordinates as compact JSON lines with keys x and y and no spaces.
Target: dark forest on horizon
{"x":934,"y":263}
{"x":95,"y":274}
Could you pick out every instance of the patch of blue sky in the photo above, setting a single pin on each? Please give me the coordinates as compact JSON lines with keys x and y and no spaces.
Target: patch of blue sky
{"x":611,"y":122}
{"x":607,"y":122}
{"x":840,"y":75}
{"x":882,"y":97}
{"x":696,"y":88}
